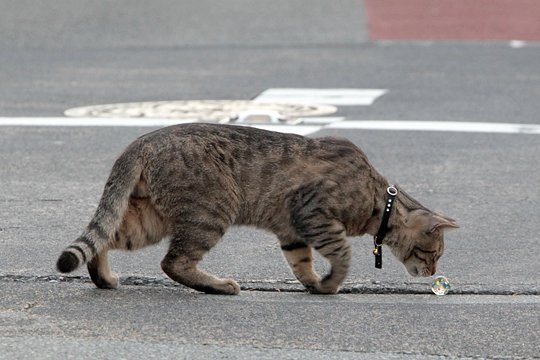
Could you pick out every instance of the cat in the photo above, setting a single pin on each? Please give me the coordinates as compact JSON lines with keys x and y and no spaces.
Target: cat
{"x":191,"y":182}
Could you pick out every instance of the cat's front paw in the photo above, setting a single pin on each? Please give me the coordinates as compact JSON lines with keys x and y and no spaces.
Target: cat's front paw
{"x":323,"y":288}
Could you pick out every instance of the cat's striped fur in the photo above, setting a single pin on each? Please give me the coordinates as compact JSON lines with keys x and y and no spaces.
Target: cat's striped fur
{"x":190,"y":183}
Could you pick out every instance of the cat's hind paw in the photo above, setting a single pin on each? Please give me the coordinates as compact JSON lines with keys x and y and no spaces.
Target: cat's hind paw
{"x":111,"y":281}
{"x":234,"y":288}
{"x":224,"y":287}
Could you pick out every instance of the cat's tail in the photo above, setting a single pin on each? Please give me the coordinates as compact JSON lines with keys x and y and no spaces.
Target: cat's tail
{"x":125,"y":175}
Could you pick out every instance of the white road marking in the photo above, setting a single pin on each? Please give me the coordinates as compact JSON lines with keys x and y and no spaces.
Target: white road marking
{"x":136,"y":122}
{"x":90,"y":121}
{"x":517,"y":44}
{"x":323,"y":120}
{"x":452,"y":126}
{"x":443,"y":126}
{"x":289,"y":129}
{"x":343,"y":97}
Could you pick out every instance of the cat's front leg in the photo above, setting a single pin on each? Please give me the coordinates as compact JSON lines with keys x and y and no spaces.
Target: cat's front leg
{"x":313,"y":213}
{"x":300,"y":259}
{"x":329,"y":239}
{"x":338,"y":252}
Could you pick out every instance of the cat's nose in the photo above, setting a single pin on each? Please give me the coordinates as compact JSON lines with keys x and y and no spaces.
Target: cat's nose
{"x":433,"y":269}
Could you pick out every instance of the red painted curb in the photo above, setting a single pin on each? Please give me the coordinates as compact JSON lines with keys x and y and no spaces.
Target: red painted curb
{"x":454,"y":19}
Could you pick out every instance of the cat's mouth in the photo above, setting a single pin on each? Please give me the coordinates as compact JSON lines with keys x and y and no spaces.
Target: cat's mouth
{"x":414,"y":271}
{"x":424,"y":272}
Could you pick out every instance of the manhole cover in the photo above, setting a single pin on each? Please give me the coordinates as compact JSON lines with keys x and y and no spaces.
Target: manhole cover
{"x":207,"y":110}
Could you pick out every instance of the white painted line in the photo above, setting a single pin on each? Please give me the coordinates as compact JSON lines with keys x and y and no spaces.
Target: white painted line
{"x":517,"y":44}
{"x":90,"y":121}
{"x":394,"y":125}
{"x":323,"y":120}
{"x":343,"y":97}
{"x":133,"y":122}
{"x":290,"y":129}
{"x":452,"y":126}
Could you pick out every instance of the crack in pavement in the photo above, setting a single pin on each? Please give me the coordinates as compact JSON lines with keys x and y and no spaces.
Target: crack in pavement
{"x":287,"y":285}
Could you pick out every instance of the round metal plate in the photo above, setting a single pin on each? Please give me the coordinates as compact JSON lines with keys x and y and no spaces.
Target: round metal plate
{"x":205,"y":110}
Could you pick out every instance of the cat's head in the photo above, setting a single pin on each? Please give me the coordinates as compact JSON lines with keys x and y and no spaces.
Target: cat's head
{"x":417,"y":239}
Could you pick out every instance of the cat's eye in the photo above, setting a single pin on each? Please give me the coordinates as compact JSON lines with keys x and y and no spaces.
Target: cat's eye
{"x":417,"y":251}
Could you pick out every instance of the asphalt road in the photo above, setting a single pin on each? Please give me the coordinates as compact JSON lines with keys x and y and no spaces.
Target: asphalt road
{"x":63,"y":54}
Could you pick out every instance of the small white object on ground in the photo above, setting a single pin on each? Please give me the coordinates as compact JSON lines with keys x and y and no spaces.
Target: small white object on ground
{"x":440,"y":285}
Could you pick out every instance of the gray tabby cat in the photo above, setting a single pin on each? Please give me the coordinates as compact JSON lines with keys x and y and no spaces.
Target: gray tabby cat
{"x":190,"y":183}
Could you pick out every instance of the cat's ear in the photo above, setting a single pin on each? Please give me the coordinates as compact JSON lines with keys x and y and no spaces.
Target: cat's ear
{"x":428,"y":221}
{"x":437,"y":221}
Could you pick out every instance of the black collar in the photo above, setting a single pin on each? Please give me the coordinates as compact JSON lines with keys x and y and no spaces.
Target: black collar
{"x":391,"y":193}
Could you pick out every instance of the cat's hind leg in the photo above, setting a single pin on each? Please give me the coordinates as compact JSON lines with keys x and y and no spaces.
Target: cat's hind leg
{"x":141,"y":226}
{"x":100,"y":272}
{"x":188,"y":245}
{"x":298,"y":255}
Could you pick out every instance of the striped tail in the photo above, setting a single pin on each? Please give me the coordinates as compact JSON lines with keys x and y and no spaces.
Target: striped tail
{"x":80,"y":252}
{"x":125,"y":175}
